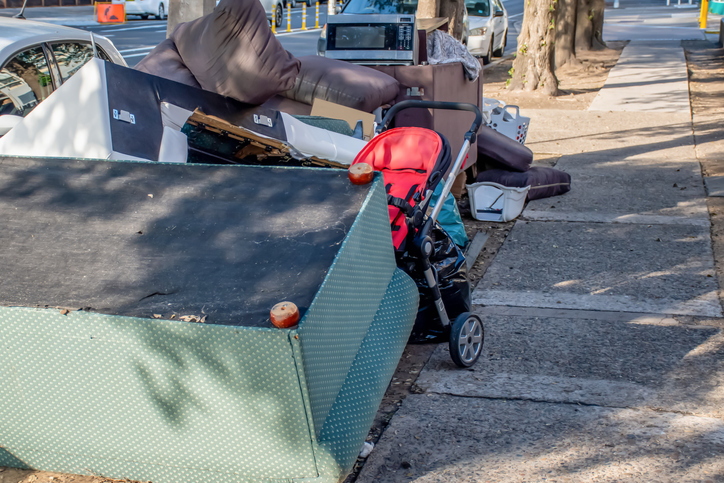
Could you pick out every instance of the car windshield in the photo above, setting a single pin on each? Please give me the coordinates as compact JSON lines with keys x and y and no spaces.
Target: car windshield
{"x":478,"y":8}
{"x":403,"y":7}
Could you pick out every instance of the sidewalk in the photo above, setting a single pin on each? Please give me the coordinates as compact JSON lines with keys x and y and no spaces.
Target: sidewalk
{"x":604,"y":355}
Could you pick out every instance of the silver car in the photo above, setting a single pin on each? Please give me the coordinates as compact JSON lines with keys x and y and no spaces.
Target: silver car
{"x":488,"y":28}
{"x":36,"y":58}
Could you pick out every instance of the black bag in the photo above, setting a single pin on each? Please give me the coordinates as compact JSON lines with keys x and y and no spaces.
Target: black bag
{"x":544,"y":182}
{"x":452,"y":270}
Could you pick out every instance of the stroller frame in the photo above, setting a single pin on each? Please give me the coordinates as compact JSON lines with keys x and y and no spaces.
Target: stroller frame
{"x":466,"y":331}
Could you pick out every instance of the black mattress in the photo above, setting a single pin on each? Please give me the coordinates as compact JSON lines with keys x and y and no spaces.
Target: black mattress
{"x":148,"y":239}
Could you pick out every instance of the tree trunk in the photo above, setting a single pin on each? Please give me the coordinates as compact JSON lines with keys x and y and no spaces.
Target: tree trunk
{"x":455,"y":11}
{"x":589,"y":25}
{"x":533,"y":64}
{"x":565,"y":48}
{"x":598,"y":8}
{"x":428,"y":8}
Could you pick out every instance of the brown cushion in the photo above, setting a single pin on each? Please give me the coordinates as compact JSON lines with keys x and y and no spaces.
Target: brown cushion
{"x":164,"y":61}
{"x":343,"y":83}
{"x":233,"y":52}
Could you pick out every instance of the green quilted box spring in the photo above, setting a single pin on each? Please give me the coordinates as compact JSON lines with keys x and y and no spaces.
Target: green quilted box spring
{"x":124,"y":389}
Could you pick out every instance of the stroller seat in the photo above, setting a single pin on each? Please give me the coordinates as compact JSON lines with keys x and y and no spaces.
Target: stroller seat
{"x":412,"y":160}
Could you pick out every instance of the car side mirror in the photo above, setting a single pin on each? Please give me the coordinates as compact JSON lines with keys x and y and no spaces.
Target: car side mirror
{"x":338,"y":9}
{"x":498,"y":13}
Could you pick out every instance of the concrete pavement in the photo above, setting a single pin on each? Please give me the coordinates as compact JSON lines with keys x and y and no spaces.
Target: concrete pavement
{"x":604,"y":355}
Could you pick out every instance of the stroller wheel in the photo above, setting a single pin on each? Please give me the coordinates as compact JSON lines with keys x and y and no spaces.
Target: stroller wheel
{"x":466,"y":339}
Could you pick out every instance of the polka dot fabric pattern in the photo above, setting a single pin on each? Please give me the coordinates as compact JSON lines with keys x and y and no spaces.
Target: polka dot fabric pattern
{"x":170,"y":401}
{"x":336,"y":323}
{"x":151,"y":400}
{"x":353,"y":412}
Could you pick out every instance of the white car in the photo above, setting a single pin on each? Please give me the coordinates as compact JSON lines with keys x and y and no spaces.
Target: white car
{"x":145,"y":8}
{"x":488,"y":28}
{"x":36,"y":58}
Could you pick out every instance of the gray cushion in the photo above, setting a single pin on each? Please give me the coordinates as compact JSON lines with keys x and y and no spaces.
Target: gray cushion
{"x":233,"y":52}
{"x":343,"y":83}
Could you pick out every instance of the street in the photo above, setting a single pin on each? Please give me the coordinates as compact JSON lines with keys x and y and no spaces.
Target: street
{"x":137,"y":37}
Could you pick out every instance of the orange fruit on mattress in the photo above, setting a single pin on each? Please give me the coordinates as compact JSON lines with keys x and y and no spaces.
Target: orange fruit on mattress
{"x":284,"y":315}
{"x":361,"y":173}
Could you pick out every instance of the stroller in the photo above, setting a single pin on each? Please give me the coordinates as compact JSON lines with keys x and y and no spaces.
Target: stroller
{"x":413,"y":161}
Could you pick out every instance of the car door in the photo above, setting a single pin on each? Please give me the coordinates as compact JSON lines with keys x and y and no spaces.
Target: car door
{"x":498,"y":22}
{"x":25,"y":81}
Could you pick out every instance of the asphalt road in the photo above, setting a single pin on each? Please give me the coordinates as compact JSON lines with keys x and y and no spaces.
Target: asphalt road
{"x":137,"y":37}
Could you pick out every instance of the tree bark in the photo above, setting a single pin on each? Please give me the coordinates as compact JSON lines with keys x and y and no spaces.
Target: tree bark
{"x":428,"y":8}
{"x":565,"y":48}
{"x":533,"y":64}
{"x":589,"y":25}
{"x":599,"y":6}
{"x":455,"y":11}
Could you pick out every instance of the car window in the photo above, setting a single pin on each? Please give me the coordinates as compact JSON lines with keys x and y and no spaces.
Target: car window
{"x":24,"y":82}
{"x":381,"y":6}
{"x":478,"y":8}
{"x":71,"y":56}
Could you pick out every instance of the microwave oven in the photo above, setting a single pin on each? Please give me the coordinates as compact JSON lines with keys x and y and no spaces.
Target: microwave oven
{"x":372,"y":39}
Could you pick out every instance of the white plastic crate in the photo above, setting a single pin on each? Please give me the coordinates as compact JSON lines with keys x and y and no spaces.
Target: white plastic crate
{"x":494,"y":202}
{"x":508,"y":123}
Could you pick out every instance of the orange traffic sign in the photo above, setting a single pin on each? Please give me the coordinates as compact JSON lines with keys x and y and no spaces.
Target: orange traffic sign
{"x":110,"y":12}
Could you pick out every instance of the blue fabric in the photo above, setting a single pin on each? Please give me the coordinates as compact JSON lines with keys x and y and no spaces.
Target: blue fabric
{"x":449,"y":217}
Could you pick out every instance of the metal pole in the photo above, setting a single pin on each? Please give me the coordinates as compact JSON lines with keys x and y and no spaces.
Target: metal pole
{"x":304,"y":15}
{"x":316,"y":20}
{"x":289,"y":17}
{"x":330,"y":7}
{"x":704,"y":14}
{"x":274,"y":21}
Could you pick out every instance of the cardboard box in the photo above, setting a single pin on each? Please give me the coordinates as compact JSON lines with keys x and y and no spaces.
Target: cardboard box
{"x":337,"y":111}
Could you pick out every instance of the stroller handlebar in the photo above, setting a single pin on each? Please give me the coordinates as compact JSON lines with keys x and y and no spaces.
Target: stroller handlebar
{"x":454,"y":106}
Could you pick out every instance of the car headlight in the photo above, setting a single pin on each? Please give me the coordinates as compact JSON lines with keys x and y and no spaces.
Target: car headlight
{"x":478,"y":32}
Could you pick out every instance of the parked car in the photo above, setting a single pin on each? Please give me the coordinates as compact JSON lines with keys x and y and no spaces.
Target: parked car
{"x":488,"y":28}
{"x":146,"y":8}
{"x":36,"y":58}
{"x":376,"y":7}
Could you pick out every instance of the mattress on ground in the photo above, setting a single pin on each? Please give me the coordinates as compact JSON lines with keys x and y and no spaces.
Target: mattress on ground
{"x":169,"y":400}
{"x":147,"y":239}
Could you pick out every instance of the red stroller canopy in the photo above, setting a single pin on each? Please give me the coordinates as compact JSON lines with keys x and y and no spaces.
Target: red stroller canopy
{"x":412,"y":160}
